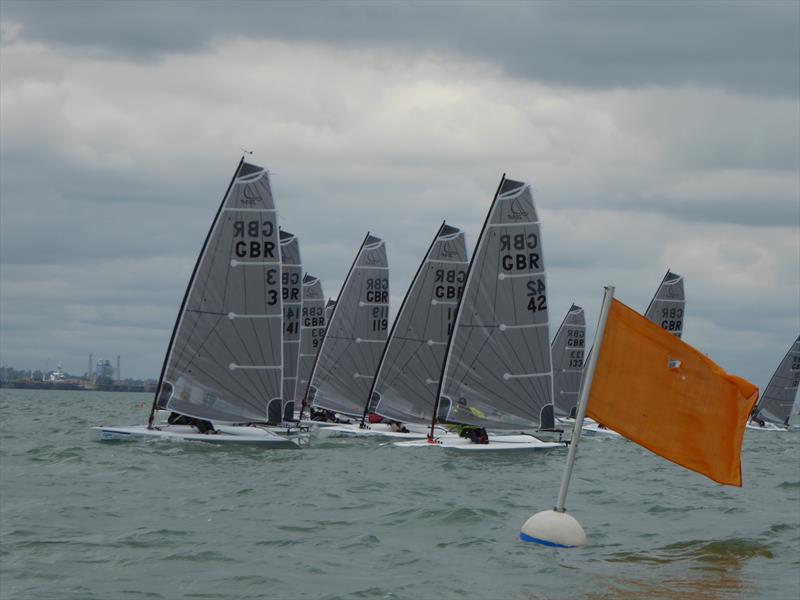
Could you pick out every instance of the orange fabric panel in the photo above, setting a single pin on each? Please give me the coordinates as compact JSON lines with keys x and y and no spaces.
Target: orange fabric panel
{"x":693,"y":414}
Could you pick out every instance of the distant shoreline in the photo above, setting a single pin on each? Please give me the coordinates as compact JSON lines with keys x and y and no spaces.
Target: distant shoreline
{"x":45,"y":385}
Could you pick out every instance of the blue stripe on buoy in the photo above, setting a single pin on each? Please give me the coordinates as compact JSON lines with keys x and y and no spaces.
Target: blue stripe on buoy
{"x":527,"y":538}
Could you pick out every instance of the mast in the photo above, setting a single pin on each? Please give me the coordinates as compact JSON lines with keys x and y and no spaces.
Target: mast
{"x":458,"y":309}
{"x":168,"y":353}
{"x":394,"y":324}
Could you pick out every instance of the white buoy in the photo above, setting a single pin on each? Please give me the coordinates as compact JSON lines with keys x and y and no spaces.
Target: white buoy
{"x":553,"y":528}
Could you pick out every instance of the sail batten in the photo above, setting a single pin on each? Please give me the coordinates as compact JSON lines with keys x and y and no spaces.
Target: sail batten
{"x":415,"y":352}
{"x":221,"y":365}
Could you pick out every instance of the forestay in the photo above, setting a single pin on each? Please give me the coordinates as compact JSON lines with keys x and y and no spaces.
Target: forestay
{"x":775,"y":405}
{"x":568,"y":353}
{"x":356,"y":334}
{"x":312,"y":329}
{"x":408,"y":377}
{"x":291,"y":275}
{"x":667,"y":306}
{"x":224,"y":361}
{"x":498,"y":372}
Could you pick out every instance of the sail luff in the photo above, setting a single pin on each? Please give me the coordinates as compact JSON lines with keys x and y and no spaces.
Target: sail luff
{"x":189,"y":285}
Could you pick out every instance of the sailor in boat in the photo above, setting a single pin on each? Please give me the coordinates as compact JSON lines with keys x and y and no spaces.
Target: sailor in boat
{"x":397,"y":427}
{"x":325,"y":416}
{"x":754,"y":417}
{"x":201,"y":425}
{"x":476,"y":435}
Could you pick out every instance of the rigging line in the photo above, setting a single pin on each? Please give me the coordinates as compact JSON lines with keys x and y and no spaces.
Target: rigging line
{"x":205,"y":312}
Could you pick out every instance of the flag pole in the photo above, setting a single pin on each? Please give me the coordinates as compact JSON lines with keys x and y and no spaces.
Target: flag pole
{"x":555,"y":527}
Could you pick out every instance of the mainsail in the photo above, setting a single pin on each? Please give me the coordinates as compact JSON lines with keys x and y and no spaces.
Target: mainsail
{"x":224,"y":362}
{"x":329,"y":306}
{"x":498,"y":371}
{"x":356,"y":334}
{"x":291,"y":275}
{"x":312,"y":329}
{"x":408,"y":376}
{"x":568,"y":349}
{"x":666,"y":307}
{"x":776,"y":403}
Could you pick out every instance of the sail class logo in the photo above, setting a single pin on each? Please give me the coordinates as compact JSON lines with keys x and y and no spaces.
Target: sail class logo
{"x":249,"y":196}
{"x":448,"y":251}
{"x":371,"y":260}
{"x":516,"y":212}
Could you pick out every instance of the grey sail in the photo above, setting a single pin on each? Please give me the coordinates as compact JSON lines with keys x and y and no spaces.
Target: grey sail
{"x":291,"y":277}
{"x":775,"y":405}
{"x":312,"y":329}
{"x":356,"y":334}
{"x":498,"y":371}
{"x":329,"y":309}
{"x":408,"y":377}
{"x":225,"y":359}
{"x":667,"y":306}
{"x":568,"y":353}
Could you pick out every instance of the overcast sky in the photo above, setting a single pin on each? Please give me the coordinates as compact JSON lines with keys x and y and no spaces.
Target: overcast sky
{"x":655,"y":136}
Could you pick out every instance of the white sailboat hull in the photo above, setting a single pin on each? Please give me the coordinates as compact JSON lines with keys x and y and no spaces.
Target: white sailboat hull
{"x":767,"y":427}
{"x":185,"y":433}
{"x":416,"y":431}
{"x":591,"y":429}
{"x":497,"y":443}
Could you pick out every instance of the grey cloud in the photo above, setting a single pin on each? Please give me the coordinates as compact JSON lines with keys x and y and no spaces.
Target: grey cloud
{"x":744,"y":46}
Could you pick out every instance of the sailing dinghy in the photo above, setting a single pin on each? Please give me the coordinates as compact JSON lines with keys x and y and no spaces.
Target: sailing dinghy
{"x":407,"y":379}
{"x":355,"y":335}
{"x":774,"y":408}
{"x":568,"y":349}
{"x":223,"y":368}
{"x":497,"y":373}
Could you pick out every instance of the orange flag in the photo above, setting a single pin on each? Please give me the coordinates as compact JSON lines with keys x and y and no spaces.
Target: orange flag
{"x":661,"y":393}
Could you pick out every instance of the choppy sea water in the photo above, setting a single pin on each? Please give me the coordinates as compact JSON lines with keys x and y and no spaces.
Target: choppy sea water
{"x":356,"y":519}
